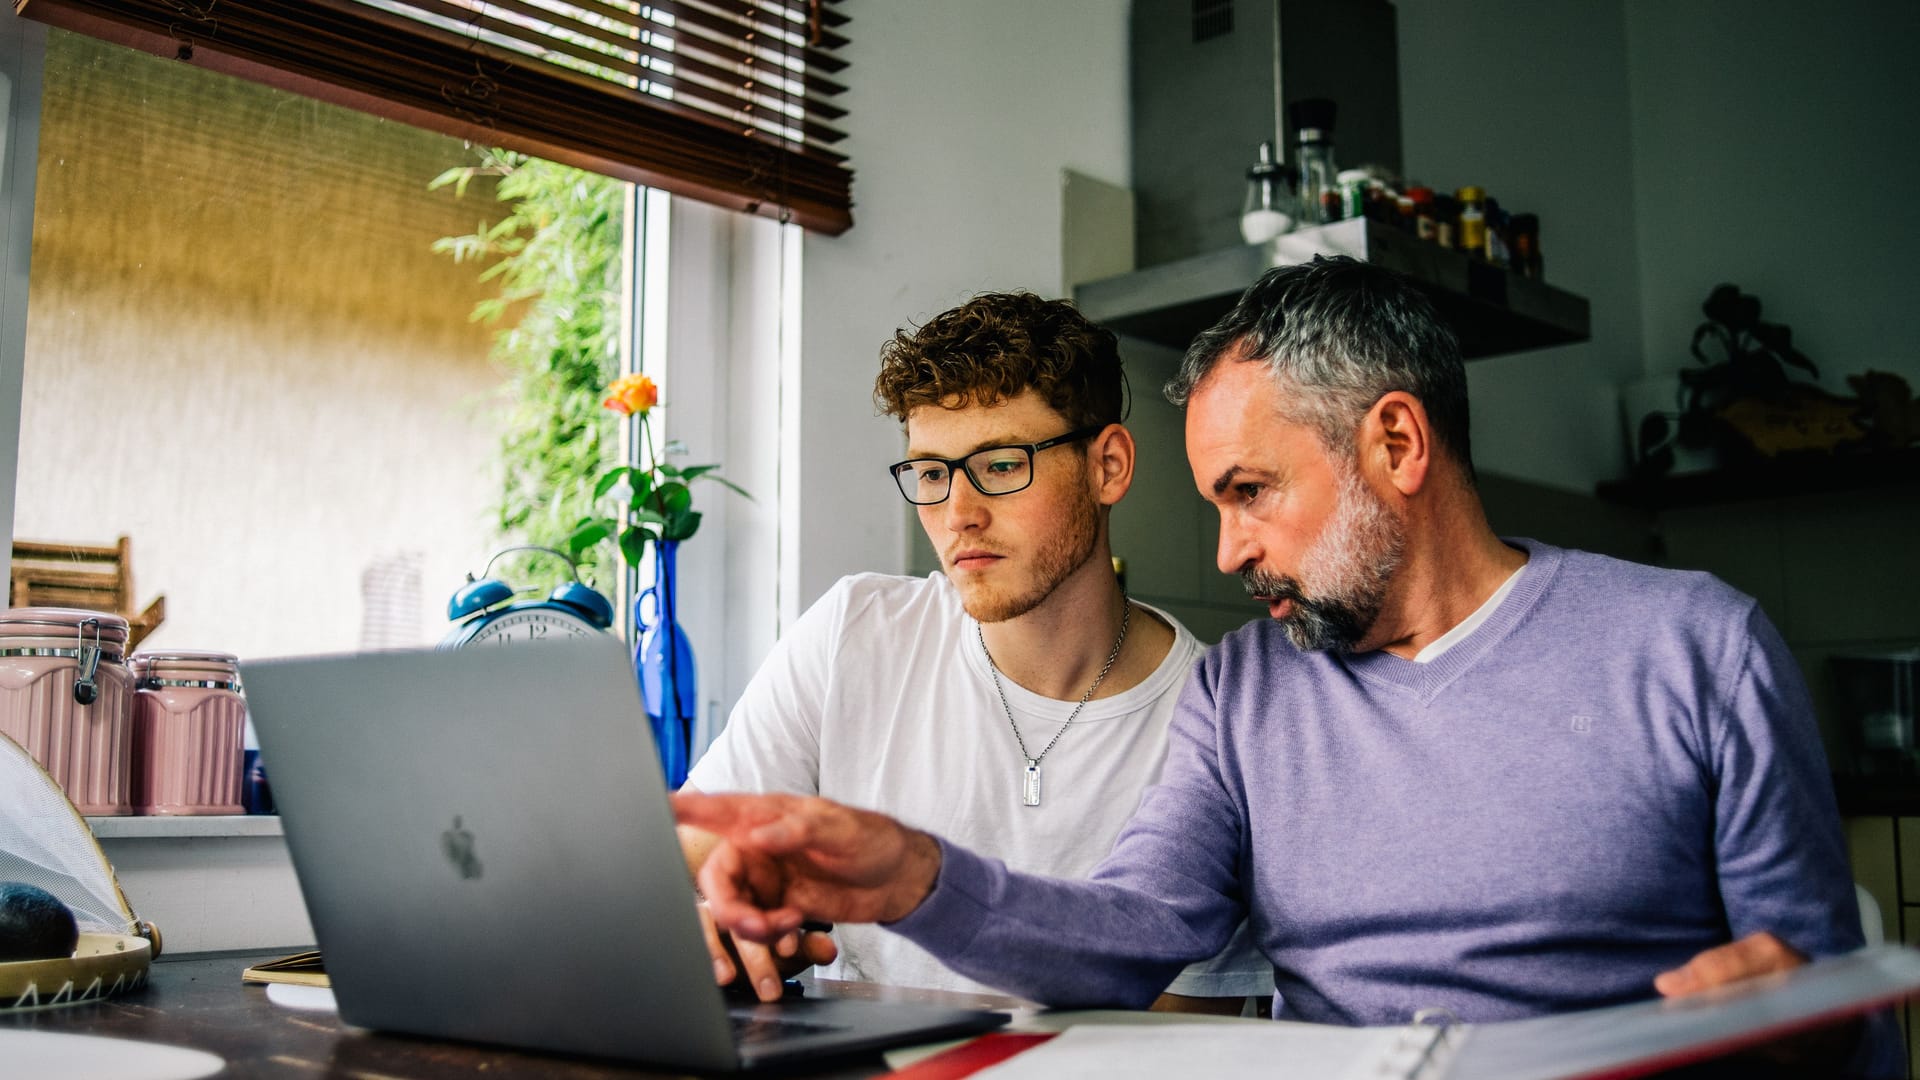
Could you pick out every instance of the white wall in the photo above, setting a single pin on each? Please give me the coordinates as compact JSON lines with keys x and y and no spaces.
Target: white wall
{"x":1529,"y":100}
{"x":1775,"y":146}
{"x":961,"y":118}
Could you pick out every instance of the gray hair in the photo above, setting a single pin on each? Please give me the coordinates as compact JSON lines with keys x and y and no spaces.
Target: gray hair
{"x":1337,"y":334}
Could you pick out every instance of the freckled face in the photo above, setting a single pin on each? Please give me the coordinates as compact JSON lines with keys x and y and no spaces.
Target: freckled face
{"x":1298,"y":524}
{"x":1007,"y":553}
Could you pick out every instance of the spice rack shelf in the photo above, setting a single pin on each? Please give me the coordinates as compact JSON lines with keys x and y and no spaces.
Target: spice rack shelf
{"x":1785,"y":477}
{"x":1494,"y":311}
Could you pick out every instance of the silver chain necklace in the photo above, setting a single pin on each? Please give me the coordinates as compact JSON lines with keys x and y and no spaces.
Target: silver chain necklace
{"x":1030,"y":781}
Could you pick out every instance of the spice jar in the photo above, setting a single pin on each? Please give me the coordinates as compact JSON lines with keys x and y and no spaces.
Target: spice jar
{"x":1318,"y":184}
{"x":189,"y":723}
{"x":1446,"y":221}
{"x":1526,"y":244}
{"x":1473,"y":221}
{"x":1497,"y":222}
{"x":1426,"y":225}
{"x":66,"y":696}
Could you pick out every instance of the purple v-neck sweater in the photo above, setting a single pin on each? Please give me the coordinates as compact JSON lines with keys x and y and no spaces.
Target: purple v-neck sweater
{"x":1617,"y":770}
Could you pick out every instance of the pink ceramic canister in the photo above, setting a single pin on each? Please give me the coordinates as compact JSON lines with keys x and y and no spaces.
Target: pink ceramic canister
{"x":67,"y":696}
{"x":189,"y":724}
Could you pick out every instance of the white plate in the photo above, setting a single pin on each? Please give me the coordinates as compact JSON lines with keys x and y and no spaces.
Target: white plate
{"x":89,"y":1057}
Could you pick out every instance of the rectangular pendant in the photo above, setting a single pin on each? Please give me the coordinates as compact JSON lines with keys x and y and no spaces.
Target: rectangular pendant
{"x":1030,"y":790}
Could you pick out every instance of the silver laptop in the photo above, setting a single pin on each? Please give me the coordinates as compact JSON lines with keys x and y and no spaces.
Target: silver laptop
{"x":487,"y":851}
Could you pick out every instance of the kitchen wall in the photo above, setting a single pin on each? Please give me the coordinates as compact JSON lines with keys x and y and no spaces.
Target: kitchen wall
{"x":1775,"y":145}
{"x":1529,"y":100}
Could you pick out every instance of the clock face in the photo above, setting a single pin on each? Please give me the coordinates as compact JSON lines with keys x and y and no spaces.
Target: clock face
{"x":532,"y":624}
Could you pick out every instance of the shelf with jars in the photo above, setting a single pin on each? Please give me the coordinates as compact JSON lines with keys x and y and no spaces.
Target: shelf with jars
{"x":1493,"y":309}
{"x":1788,"y":477}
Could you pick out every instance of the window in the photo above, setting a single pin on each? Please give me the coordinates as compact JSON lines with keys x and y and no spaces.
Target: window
{"x":243,"y":353}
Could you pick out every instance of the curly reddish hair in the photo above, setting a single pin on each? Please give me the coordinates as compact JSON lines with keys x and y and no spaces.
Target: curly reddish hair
{"x":994,"y":348}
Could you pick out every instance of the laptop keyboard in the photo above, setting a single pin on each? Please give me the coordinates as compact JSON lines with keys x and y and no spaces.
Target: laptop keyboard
{"x":752,"y":1029}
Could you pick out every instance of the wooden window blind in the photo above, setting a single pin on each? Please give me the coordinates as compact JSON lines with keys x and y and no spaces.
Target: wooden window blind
{"x":727,"y":101}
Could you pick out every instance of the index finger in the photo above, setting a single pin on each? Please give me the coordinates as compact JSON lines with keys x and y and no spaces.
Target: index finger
{"x":776,"y":824}
{"x":726,"y":814}
{"x":724,"y":882}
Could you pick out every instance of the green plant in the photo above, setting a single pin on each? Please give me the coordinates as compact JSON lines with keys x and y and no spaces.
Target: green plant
{"x":1743,"y":367}
{"x":1753,"y":357}
{"x":555,"y":256}
{"x":651,"y":501}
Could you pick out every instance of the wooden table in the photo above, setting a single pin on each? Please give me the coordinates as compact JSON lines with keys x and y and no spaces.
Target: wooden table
{"x":199,"y":1002}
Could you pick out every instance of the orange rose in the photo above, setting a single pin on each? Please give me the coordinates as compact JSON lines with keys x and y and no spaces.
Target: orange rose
{"x":632,"y":395}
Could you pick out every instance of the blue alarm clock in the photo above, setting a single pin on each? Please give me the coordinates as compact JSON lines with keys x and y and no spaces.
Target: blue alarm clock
{"x":485,"y":611}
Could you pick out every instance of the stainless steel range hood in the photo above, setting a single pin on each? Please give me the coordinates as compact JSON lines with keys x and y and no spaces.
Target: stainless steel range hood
{"x":1210,"y":79}
{"x":1493,"y":311}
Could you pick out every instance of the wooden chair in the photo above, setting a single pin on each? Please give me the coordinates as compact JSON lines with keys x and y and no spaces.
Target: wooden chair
{"x":78,"y":576}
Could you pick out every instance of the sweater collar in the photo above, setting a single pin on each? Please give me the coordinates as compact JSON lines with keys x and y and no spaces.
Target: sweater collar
{"x":1427,"y":680}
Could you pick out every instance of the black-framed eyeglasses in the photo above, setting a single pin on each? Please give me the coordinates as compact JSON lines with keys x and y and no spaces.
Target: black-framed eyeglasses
{"x":996,"y":470}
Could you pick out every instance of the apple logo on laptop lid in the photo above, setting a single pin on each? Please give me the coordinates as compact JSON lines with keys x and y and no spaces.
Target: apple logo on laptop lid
{"x":457,"y":843}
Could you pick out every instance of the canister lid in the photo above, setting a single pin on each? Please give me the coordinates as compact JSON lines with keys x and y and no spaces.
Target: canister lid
{"x":62,"y":622}
{"x":183,"y":661}
{"x":189,"y":656}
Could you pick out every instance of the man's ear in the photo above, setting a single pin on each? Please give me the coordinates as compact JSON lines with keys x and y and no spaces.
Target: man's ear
{"x":1396,"y":442}
{"x":1110,"y":464}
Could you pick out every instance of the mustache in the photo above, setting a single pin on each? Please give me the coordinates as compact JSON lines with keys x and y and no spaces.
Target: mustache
{"x":1267,"y":586}
{"x":1322,"y":625}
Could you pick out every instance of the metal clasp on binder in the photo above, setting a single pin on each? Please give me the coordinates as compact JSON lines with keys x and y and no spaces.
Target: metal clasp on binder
{"x":1441,"y":1023}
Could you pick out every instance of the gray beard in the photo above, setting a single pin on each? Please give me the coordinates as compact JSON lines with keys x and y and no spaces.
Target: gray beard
{"x":1350,"y":567}
{"x":1314,"y":625}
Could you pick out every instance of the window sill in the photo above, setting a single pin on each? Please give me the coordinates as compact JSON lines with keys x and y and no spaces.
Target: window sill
{"x":172,"y":827}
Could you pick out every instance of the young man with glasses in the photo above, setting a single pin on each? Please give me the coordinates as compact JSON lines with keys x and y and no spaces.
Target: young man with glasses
{"x":1018,"y":699}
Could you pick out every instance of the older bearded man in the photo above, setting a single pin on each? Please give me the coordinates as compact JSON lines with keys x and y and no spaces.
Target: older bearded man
{"x":1490,"y":775}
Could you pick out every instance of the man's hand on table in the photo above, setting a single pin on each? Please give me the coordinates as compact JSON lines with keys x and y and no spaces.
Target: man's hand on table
{"x":1753,"y":955}
{"x":1750,"y":957}
{"x":785,"y":858}
{"x":764,"y":967}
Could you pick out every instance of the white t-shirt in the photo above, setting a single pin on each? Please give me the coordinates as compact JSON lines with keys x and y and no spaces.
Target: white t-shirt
{"x":880,"y":697}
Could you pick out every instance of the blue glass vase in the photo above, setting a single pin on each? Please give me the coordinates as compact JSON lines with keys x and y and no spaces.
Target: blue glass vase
{"x":663,"y":659}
